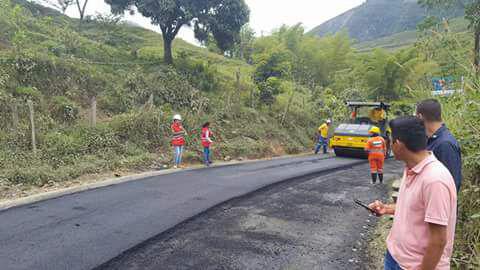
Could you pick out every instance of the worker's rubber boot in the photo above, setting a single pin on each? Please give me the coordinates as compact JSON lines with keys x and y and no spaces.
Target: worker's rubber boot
{"x":374,"y":178}
{"x":380,"y":176}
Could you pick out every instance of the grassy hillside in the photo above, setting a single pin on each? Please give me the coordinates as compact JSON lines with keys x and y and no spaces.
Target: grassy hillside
{"x":300,"y":80}
{"x":60,"y":65}
{"x":407,"y":38}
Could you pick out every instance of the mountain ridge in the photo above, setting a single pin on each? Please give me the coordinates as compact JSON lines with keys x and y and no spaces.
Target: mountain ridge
{"x":380,"y":18}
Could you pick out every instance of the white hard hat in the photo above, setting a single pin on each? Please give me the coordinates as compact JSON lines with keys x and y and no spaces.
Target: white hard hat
{"x":329,"y":121}
{"x":177,"y":117}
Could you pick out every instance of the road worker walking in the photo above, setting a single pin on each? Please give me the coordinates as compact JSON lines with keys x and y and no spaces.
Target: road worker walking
{"x":376,"y":148}
{"x":322,"y":137}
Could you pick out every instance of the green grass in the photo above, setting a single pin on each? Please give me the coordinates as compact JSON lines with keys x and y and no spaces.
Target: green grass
{"x":63,"y":63}
{"x":405,"y":39}
{"x":393,"y":42}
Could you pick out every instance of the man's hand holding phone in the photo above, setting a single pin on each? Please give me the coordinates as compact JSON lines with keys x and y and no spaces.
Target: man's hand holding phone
{"x":382,"y":209}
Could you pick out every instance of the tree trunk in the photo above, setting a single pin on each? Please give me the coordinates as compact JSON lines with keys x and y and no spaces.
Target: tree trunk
{"x":32,"y":125}
{"x":476,"y":54}
{"x":93,"y":111}
{"x":15,"y":115}
{"x":82,"y":9}
{"x":290,"y":100}
{"x":238,"y":77}
{"x":167,"y":50}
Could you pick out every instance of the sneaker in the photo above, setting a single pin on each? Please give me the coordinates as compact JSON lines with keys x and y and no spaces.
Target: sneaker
{"x":175,"y":167}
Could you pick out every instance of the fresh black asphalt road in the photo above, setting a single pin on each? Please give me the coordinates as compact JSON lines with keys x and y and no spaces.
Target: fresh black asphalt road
{"x":84,"y":230}
{"x":310,"y":223}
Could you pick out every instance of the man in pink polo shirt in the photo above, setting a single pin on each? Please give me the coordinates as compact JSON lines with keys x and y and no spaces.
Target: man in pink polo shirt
{"x":425,"y":214}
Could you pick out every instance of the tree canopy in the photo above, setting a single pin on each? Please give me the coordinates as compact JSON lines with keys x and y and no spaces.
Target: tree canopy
{"x":221,"y":18}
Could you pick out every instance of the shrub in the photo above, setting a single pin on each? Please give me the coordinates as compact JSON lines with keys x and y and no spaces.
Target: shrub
{"x":60,"y":149}
{"x":28,"y":93}
{"x":37,"y":176}
{"x":64,"y":110}
{"x":97,"y":140}
{"x":462,"y":114}
{"x":147,"y":129}
{"x":19,"y":140}
{"x":201,"y":74}
{"x":402,"y":108}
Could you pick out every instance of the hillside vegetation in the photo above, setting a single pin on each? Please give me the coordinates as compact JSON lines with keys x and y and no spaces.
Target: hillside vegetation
{"x":381,"y":18}
{"x":405,"y":39}
{"x":61,"y":66}
{"x":266,"y":100}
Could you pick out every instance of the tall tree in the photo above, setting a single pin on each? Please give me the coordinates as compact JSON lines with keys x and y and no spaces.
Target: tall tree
{"x":244,"y":47}
{"x":221,"y":18}
{"x":82,"y":7}
{"x":472,"y":14}
{"x":61,"y":5}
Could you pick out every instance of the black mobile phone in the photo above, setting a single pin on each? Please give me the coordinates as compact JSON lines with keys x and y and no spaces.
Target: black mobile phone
{"x":360,"y":203}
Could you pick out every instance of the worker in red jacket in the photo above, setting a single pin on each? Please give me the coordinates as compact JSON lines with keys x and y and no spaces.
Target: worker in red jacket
{"x":206,"y":143}
{"x":178,"y":140}
{"x":376,"y":148}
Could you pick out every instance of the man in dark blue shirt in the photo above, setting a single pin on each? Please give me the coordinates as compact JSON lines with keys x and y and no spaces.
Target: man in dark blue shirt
{"x":440,"y":141}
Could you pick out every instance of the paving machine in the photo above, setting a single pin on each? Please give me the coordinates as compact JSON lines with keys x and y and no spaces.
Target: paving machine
{"x":350,"y":138}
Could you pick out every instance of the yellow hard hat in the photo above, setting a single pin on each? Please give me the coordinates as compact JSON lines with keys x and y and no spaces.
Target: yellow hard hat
{"x":375,"y":130}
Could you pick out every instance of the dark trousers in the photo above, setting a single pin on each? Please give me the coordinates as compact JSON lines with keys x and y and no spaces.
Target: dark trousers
{"x":390,"y":263}
{"x":206,"y":155}
{"x":322,"y":143}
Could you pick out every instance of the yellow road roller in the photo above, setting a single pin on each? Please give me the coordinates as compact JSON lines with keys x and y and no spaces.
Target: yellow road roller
{"x":350,"y":138}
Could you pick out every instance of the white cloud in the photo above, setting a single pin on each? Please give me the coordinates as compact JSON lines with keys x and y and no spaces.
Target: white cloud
{"x":266,"y":15}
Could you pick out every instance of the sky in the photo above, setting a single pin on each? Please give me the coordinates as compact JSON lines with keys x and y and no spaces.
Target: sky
{"x":266,"y":15}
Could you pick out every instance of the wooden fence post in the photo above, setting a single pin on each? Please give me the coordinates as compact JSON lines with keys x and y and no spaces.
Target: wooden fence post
{"x":14,"y":107}
{"x":93,"y":111}
{"x":150,"y":102}
{"x":238,"y":78}
{"x":32,"y":125}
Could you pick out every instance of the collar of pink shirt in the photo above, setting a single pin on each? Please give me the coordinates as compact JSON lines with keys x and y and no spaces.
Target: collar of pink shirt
{"x":412,"y":173}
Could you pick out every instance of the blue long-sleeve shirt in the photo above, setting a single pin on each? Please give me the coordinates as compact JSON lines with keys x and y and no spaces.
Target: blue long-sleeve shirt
{"x":447,"y":150}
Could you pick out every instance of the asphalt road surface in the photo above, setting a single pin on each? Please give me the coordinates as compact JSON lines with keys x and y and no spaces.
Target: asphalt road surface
{"x":309,"y":223}
{"x":87,"y":229}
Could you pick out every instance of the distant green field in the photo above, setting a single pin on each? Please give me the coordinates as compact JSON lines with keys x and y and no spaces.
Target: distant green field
{"x":405,"y":39}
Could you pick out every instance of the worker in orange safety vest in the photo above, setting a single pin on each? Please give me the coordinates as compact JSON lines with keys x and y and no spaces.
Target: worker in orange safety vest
{"x":206,"y":138}
{"x":376,"y":148}
{"x":178,"y":140}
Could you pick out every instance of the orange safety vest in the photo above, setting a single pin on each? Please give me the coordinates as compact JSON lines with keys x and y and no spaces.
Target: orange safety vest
{"x":206,"y":134}
{"x":178,"y":135}
{"x":376,"y":146}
